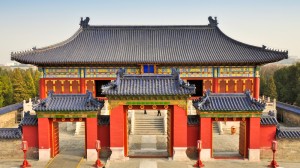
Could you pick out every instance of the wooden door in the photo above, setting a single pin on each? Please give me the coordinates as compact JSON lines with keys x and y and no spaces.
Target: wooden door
{"x":169,"y":133}
{"x":55,"y":139}
{"x":243,"y":139}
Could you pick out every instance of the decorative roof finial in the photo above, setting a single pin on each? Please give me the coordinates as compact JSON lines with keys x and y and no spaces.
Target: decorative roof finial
{"x":264,"y":47}
{"x":212,"y":22}
{"x":84,"y":23}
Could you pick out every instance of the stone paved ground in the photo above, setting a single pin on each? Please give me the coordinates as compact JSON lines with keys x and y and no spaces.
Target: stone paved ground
{"x":146,"y":145}
{"x":225,"y":145}
{"x":165,"y":163}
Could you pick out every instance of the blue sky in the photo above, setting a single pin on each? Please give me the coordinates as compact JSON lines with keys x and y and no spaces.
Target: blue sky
{"x":25,"y":24}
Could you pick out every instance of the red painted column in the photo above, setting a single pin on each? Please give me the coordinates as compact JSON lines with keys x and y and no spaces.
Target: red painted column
{"x":42,"y":88}
{"x":215,"y":80}
{"x":82,"y":85}
{"x":44,"y":138}
{"x":254,"y":139}
{"x":179,"y":133}
{"x":206,"y":132}
{"x":256,"y":87}
{"x":180,"y":127}
{"x":117,"y":134}
{"x":215,"y":85}
{"x":206,"y":137}
{"x":254,"y":133}
{"x":91,"y":137}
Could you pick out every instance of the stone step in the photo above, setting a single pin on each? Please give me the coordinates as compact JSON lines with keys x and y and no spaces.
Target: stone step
{"x":156,"y":153}
{"x":149,"y":124}
{"x":148,"y":129}
{"x":148,"y":133}
{"x":147,"y":120}
{"x":215,"y":127}
{"x":146,"y":123}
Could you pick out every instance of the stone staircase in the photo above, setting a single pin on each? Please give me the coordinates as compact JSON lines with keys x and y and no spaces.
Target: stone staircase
{"x":148,"y":125}
{"x":215,"y":128}
{"x":80,"y":128}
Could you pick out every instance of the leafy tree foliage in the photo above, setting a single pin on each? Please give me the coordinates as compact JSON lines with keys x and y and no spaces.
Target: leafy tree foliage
{"x":30,"y":87}
{"x":286,"y":80}
{"x":17,"y":85}
{"x":270,"y":89}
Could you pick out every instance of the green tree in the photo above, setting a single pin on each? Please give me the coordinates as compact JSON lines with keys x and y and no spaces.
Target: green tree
{"x":19,"y":86}
{"x":7,"y":90}
{"x":36,"y":79}
{"x":30,"y":87}
{"x":271,"y":89}
{"x":1,"y":94}
{"x":263,"y":85}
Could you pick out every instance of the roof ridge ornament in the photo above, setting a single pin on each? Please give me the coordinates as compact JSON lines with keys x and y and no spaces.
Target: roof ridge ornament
{"x":213,"y":22}
{"x":84,"y":23}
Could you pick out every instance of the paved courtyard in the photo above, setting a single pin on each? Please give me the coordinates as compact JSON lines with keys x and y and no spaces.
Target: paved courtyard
{"x":72,"y":151}
{"x":147,"y":145}
{"x":225,"y":145}
{"x":155,"y":163}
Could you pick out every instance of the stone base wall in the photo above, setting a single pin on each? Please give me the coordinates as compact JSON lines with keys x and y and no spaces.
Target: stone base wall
{"x":11,"y":149}
{"x":288,"y":150}
{"x":105,"y":152}
{"x":192,"y":153}
{"x":8,"y":119}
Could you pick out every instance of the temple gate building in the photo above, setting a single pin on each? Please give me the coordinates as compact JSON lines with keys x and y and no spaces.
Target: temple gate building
{"x":195,"y":74}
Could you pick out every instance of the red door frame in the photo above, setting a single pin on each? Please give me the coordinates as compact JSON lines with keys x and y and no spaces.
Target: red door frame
{"x":246,"y":120}
{"x":53,"y":120}
{"x":169,"y":108}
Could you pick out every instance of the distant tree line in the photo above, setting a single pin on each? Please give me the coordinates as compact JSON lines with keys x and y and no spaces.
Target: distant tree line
{"x":281,"y":82}
{"x":18,"y":85}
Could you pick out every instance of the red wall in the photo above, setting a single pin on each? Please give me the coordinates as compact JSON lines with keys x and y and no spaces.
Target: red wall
{"x":44,"y":133}
{"x":180,"y":127}
{"x":267,"y":135}
{"x":192,"y":135}
{"x":30,"y":134}
{"x":103,"y":135}
{"x":117,"y":126}
{"x":253,"y":133}
{"x":91,"y":132}
{"x":205,"y":132}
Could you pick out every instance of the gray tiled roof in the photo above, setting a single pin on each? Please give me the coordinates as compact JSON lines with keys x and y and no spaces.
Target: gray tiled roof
{"x":103,"y":120}
{"x":149,"y":84}
{"x":200,"y":44}
{"x":268,"y":120}
{"x":29,"y":120}
{"x":288,"y":107}
{"x":288,"y":132}
{"x":193,"y":120}
{"x":10,"y":108}
{"x":70,"y":102}
{"x":228,"y":102}
{"x":10,"y":133}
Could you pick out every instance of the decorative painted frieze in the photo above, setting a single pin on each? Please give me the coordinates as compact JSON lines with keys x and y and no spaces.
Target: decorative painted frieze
{"x":234,"y":71}
{"x":65,"y":72}
{"x":109,"y":72}
{"x":88,"y":72}
{"x":188,"y":71}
